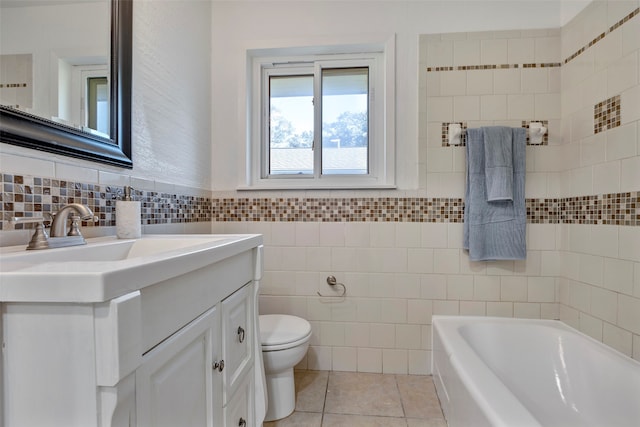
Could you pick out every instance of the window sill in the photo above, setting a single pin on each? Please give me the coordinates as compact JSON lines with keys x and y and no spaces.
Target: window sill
{"x":267,"y":187}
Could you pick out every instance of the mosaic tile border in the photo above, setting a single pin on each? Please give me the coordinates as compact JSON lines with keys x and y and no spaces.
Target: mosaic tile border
{"x":12,"y":85}
{"x":31,"y":196}
{"x":606,"y":209}
{"x":602,"y":35}
{"x":606,"y":114}
{"x":463,"y":137}
{"x":494,"y":67}
{"x":380,"y":209}
{"x":609,"y":209}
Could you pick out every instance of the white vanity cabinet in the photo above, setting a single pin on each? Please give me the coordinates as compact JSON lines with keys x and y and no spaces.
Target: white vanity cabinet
{"x":203,"y":373}
{"x":238,"y":353}
{"x":176,"y":352}
{"x":176,"y":384}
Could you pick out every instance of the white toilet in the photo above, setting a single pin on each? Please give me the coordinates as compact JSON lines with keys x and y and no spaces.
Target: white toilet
{"x":285,"y":340}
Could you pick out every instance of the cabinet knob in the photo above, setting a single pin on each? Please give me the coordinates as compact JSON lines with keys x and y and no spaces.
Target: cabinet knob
{"x":240,"y":334}
{"x":242,"y":422}
{"x":218,"y":365}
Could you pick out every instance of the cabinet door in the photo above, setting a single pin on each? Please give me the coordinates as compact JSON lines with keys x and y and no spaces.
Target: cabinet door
{"x":237,"y":335}
{"x":239,"y":410}
{"x":176,"y":385}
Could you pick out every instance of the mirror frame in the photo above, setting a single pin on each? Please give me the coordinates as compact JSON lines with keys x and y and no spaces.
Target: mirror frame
{"x":27,"y":130}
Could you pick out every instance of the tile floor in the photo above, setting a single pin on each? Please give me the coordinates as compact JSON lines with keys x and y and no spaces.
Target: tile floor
{"x":355,"y":399}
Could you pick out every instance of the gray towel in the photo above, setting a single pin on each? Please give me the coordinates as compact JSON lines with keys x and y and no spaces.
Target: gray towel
{"x":498,"y":156}
{"x":494,"y":230}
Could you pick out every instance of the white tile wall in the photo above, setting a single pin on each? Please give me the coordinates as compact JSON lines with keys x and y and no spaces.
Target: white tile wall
{"x":369,"y":360}
{"x":630,"y":174}
{"x":521,"y":51}
{"x":399,"y":274}
{"x":630,"y":39}
{"x":384,"y":324}
{"x":599,"y":262}
{"x":622,"y":74}
{"x":618,"y":338}
{"x":619,"y":275}
{"x":621,"y":142}
{"x":513,"y":288}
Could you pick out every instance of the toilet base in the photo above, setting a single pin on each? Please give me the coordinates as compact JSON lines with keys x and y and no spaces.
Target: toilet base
{"x":281,"y":395}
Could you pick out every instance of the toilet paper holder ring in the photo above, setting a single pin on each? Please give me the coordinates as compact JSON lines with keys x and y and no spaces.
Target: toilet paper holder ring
{"x":332,"y":281}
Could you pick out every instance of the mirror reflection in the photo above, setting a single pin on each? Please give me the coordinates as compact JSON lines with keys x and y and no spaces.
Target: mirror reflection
{"x":54,"y":61}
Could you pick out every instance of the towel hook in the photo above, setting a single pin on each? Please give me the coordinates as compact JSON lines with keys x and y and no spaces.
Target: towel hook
{"x":331,"y":281}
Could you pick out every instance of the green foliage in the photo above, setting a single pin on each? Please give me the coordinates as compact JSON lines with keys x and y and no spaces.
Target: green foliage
{"x":349,"y":130}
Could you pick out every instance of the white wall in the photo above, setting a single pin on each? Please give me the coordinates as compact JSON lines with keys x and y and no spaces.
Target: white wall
{"x":172,"y":91}
{"x":171,"y":106}
{"x":238,"y":26}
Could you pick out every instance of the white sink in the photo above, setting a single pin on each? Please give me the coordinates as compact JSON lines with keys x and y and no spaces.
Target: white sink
{"x":103,"y":249}
{"x":108,"y":267}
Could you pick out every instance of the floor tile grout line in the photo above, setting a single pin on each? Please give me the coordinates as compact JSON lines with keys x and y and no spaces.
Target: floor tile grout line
{"x":324,"y":403}
{"x":395,"y":378}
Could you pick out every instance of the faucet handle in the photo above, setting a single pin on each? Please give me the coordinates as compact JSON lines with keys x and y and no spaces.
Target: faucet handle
{"x":40,"y":238}
{"x":32,"y":219}
{"x":74,"y":229}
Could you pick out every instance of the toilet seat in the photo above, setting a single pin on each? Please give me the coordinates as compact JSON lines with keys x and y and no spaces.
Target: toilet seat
{"x":282,"y":331}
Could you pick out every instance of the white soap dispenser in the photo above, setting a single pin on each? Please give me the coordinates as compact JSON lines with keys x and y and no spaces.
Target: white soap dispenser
{"x":128,"y":217}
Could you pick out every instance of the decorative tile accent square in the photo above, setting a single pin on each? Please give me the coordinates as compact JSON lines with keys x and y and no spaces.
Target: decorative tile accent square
{"x":545,"y":137}
{"x":445,"y":134}
{"x":606,"y":114}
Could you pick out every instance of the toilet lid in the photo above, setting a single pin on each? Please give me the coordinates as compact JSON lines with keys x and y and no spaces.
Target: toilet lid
{"x":278,"y":329}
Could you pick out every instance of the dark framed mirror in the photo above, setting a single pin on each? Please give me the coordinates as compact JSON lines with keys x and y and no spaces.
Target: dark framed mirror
{"x":27,"y":130}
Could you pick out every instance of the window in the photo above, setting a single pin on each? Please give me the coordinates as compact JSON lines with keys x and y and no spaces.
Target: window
{"x":98,"y":104}
{"x":313,"y":133}
{"x":321,"y":121}
{"x":83,"y":99}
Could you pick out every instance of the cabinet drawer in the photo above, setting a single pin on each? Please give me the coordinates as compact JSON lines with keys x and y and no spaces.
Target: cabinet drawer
{"x":237,"y":336}
{"x":170,"y":305}
{"x":239,"y":410}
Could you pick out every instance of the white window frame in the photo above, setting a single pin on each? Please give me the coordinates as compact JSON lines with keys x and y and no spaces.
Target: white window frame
{"x":381,"y":150}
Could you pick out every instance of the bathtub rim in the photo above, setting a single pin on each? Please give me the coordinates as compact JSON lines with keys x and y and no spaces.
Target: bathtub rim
{"x":503,"y":409}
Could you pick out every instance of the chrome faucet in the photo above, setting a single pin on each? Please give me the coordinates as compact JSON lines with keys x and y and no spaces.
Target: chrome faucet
{"x":60,"y":236}
{"x":61,"y":219}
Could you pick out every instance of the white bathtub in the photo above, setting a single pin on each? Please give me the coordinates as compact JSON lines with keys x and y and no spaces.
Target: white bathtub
{"x":519,"y":373}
